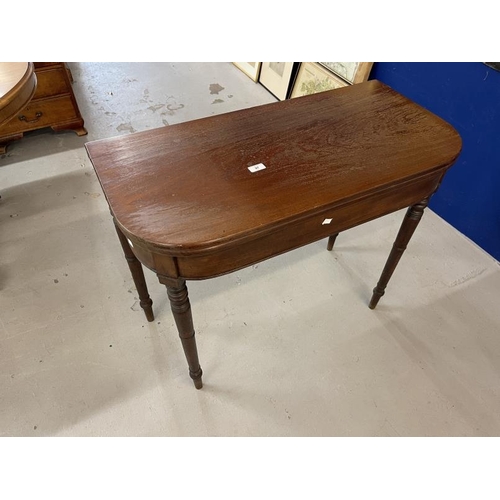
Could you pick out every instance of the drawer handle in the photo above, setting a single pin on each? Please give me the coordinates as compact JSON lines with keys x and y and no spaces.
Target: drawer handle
{"x":37,"y":115}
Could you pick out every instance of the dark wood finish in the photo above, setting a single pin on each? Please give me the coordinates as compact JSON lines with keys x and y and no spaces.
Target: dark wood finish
{"x":181,"y":309}
{"x":410,"y":223}
{"x":17,"y":86}
{"x":331,"y":241}
{"x":184,"y":197}
{"x":137,"y":275}
{"x":53,"y":105}
{"x":282,"y":238}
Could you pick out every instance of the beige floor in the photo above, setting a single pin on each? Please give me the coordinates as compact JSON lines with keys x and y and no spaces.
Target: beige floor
{"x":288,"y":347}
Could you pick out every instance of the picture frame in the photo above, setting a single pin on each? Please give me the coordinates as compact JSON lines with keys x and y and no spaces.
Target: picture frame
{"x":313,"y":78}
{"x":251,"y":69}
{"x":276,"y":77}
{"x":352,"y":72}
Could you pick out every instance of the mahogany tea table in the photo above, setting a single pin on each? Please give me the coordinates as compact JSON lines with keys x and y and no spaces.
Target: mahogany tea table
{"x":210,"y":196}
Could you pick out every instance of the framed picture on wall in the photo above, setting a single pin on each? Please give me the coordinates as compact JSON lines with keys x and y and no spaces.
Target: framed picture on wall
{"x":276,"y":76}
{"x":353,"y":72}
{"x":313,"y":78}
{"x":251,"y":69}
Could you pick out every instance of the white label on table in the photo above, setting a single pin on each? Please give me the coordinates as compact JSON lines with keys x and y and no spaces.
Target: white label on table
{"x":326,"y":221}
{"x":131,"y":244}
{"x":256,"y":168}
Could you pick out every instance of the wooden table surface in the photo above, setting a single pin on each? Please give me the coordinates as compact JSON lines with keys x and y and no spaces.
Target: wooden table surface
{"x":186,"y":188}
{"x":17,"y":86}
{"x":185,"y":199}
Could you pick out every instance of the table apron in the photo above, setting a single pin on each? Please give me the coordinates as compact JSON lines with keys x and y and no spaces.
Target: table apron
{"x":238,"y":255}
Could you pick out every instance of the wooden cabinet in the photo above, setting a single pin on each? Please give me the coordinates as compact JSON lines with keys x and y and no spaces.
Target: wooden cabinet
{"x":53,"y":105}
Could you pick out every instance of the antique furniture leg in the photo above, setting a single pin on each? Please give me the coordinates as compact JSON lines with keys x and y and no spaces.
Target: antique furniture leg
{"x":181,"y":309}
{"x":410,"y":223}
{"x":137,"y":275}
{"x":6,"y":140}
{"x":76,"y":127}
{"x":331,"y":241}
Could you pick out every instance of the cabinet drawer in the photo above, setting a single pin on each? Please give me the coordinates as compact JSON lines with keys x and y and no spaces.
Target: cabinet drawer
{"x":301,"y":232}
{"x":50,"y":82}
{"x":40,"y":114}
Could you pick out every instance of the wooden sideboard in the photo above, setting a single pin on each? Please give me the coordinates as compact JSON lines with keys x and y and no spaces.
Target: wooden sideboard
{"x":53,"y":105}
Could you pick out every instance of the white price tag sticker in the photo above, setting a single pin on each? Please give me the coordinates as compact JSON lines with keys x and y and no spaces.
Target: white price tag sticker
{"x":256,"y":168}
{"x":326,"y":221}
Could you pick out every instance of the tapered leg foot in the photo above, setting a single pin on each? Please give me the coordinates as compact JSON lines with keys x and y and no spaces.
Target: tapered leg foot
{"x":375,"y":298}
{"x":181,"y":310}
{"x":198,"y":383}
{"x":137,"y":275}
{"x":410,"y":223}
{"x":331,"y":241}
{"x":148,"y":310}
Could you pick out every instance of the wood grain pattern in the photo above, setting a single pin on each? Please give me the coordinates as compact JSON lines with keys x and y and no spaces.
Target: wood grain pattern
{"x":50,"y":83}
{"x":186,"y":188}
{"x":363,"y":72}
{"x":17,"y":86}
{"x":295,"y":234}
{"x":184,"y":196}
{"x":52,"y":105}
{"x":41,"y":114}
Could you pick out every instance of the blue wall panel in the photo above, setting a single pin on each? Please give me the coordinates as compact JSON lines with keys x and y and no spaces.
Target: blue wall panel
{"x":467,"y":95}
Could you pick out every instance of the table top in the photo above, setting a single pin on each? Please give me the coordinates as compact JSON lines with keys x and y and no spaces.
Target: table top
{"x":187,"y":187}
{"x":17,"y":86}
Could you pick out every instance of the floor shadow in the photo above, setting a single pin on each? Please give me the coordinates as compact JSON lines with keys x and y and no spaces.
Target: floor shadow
{"x":55,"y":193}
{"x":41,"y":143}
{"x":457,"y":347}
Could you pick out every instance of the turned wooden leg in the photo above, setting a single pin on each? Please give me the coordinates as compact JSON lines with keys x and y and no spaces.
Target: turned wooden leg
{"x":181,"y":309}
{"x":331,"y":241}
{"x":410,"y":223}
{"x":7,"y":139}
{"x":137,"y":275}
